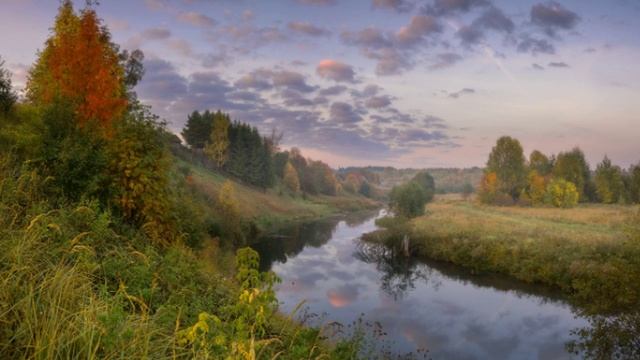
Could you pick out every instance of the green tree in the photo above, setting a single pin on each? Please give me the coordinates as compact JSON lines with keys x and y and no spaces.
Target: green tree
{"x":280,"y":160}
{"x":540,"y":163}
{"x":197,"y":130}
{"x":290,"y":179}
{"x":408,"y":200}
{"x":632,"y":184}
{"x":562,"y":193}
{"x":573,"y":167}
{"x":7,"y":96}
{"x":218,"y":146}
{"x":467,"y":190}
{"x":609,"y":183}
{"x":426,"y":182}
{"x":508,"y":162}
{"x":365,"y":189}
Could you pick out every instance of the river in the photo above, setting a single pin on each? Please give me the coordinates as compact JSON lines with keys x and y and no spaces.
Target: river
{"x":419,"y":304}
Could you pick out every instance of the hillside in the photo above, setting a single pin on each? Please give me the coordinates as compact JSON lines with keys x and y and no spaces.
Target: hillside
{"x":273,"y":207}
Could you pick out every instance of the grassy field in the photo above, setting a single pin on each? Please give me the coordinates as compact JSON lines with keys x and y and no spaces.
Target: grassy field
{"x":274,"y":207}
{"x":590,"y":252}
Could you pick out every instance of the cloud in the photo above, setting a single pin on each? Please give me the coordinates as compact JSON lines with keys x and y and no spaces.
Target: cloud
{"x":317,"y":2}
{"x":161,"y":81}
{"x":246,"y":37}
{"x":465,"y":91}
{"x":306,"y":28}
{"x":494,"y":19}
{"x":528,"y":44}
{"x":333,"y":90}
{"x":394,"y":52}
{"x":448,"y":7}
{"x":397,"y":5}
{"x":344,"y":114}
{"x":445,"y":60}
{"x":263,"y":79}
{"x":419,"y":27}
{"x":558,"y":65}
{"x":284,"y":99}
{"x":366,"y":38}
{"x":552,"y":16}
{"x":197,"y":19}
{"x":537,"y":66}
{"x":155,"y":34}
{"x":377,"y":102}
{"x":335,"y":70}
{"x":295,"y":99}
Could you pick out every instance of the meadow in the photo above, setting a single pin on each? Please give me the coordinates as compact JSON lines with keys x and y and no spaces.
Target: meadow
{"x":590,"y":252}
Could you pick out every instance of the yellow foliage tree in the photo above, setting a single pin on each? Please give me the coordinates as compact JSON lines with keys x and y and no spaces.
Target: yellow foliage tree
{"x":562,"y":193}
{"x":230,"y":211}
{"x":217,"y":149}
{"x":536,"y":187}
{"x":488,"y":188}
{"x":290,"y":178}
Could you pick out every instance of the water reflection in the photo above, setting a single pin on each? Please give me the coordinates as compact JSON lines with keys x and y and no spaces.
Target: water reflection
{"x":420,"y":304}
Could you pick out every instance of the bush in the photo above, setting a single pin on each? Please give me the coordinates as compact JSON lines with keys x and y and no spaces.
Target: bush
{"x":561,"y":193}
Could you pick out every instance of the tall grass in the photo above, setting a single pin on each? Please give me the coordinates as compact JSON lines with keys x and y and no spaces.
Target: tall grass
{"x":589,"y":252}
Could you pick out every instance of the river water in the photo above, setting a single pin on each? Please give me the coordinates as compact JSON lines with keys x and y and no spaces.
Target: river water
{"x":420,"y":304}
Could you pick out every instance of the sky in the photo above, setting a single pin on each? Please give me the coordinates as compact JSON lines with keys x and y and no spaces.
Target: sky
{"x":404,"y":83}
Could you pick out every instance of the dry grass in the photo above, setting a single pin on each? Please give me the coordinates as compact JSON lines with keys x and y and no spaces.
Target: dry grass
{"x":587,"y":223}
{"x":276,"y":205}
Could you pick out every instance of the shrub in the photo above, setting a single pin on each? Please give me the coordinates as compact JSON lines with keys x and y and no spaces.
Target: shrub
{"x":562,"y":193}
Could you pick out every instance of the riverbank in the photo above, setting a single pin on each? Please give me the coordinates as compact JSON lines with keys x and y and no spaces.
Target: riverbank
{"x":274,"y":208}
{"x":588,"y":252}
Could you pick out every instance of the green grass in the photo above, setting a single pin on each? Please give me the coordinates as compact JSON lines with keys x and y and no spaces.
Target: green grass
{"x":277,"y":206}
{"x":589,"y":252}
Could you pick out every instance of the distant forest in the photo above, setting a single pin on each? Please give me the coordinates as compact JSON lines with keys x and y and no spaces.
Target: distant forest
{"x":447,"y":180}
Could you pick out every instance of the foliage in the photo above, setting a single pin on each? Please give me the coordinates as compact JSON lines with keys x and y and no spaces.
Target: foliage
{"x":139,"y":168}
{"x":425,"y":180}
{"x":218,"y":145}
{"x":228,"y":208}
{"x":245,"y":321}
{"x":540,"y":163}
{"x":8,"y":97}
{"x":507,"y":161}
{"x":81,"y":65}
{"x":365,"y":189}
{"x":197,"y":130}
{"x":561,"y":193}
{"x":249,"y":156}
{"x":408,"y":200}
{"x":573,"y":167}
{"x":536,"y":187}
{"x":608,"y":181}
{"x":75,"y":158}
{"x":488,"y":189}
{"x":290,"y":178}
{"x":585,"y":251}
{"x":632,"y":184}
{"x":467,"y":190}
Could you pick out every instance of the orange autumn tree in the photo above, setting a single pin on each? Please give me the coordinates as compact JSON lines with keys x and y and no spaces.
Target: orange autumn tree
{"x":79,"y":64}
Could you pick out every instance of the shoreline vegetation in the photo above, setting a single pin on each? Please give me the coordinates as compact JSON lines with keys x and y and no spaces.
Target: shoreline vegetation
{"x":588,"y":252}
{"x":112,"y":246}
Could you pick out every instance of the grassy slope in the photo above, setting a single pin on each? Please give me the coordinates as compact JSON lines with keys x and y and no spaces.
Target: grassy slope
{"x":275,"y":206}
{"x":586,"y":251}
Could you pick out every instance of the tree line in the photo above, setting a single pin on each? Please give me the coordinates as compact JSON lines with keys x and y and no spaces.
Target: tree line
{"x":560,"y":180}
{"x":238,"y":149}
